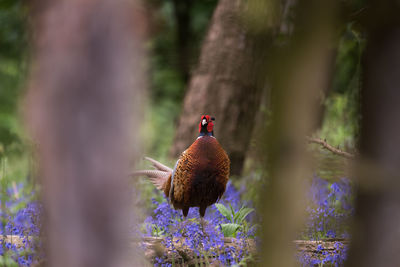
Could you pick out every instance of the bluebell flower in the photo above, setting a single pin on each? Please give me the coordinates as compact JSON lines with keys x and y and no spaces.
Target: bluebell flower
{"x":331,"y":205}
{"x":210,"y":241}
{"x":331,"y":233}
{"x":315,"y":262}
{"x":20,"y":217}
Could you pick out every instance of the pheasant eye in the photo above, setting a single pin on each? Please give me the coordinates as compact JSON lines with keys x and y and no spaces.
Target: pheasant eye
{"x":212,"y":118}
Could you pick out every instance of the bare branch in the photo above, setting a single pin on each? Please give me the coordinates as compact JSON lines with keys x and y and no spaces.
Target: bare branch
{"x":329,"y":147}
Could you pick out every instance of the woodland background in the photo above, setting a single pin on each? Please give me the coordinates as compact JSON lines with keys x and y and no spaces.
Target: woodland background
{"x":272,"y":73}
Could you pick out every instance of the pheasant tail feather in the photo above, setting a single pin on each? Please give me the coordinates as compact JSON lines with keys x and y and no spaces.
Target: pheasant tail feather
{"x":158,"y":177}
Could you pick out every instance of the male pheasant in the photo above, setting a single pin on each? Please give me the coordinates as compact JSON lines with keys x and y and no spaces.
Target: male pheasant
{"x":200,"y":175}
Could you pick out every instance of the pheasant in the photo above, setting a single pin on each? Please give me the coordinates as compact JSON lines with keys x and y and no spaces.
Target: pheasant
{"x":200,"y":175}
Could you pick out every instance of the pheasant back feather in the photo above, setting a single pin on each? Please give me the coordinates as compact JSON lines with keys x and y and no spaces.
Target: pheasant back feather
{"x":201,"y":174}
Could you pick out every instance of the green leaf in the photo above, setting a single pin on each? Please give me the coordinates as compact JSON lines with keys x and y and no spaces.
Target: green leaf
{"x":242,"y":214}
{"x":7,"y":261}
{"x":236,"y":215}
{"x":224,"y":211}
{"x":229,"y":229}
{"x":232,"y":210}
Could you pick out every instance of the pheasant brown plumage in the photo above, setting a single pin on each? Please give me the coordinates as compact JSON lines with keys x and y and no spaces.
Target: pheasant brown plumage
{"x":200,"y":174}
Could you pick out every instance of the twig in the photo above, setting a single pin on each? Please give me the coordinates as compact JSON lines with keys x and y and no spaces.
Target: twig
{"x":327,"y":146}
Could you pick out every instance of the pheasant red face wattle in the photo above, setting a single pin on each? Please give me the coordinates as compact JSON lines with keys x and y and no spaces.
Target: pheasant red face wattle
{"x":206,"y":121}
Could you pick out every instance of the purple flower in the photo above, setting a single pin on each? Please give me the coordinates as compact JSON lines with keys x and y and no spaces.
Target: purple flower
{"x":169,"y":223}
{"x":331,"y":204}
{"x":20,"y":217}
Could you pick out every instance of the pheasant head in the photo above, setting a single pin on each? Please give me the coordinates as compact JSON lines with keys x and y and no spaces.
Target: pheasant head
{"x":206,"y":125}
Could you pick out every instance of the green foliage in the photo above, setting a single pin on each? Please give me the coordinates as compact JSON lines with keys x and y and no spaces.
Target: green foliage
{"x":166,"y":78}
{"x":157,"y":231}
{"x":12,"y":30}
{"x":6,"y":260}
{"x":341,"y":118}
{"x":340,"y":126}
{"x":13,"y":172}
{"x":237,"y":219}
{"x":241,"y":214}
{"x":230,"y":229}
{"x":158,"y":129}
{"x":13,"y":47}
{"x":348,"y":61}
{"x":224,"y":211}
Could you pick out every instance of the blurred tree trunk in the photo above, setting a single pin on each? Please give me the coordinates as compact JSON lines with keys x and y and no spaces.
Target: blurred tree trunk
{"x":85,"y":86}
{"x":300,"y":71}
{"x":225,"y":85}
{"x":376,"y":232}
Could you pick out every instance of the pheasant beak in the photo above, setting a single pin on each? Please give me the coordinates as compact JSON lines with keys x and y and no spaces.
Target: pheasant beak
{"x":204,"y":122}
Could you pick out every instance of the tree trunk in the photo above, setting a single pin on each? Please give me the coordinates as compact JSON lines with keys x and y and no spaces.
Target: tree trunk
{"x":376,"y":229}
{"x":300,"y":71}
{"x":224,"y":85}
{"x":84,"y":89}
